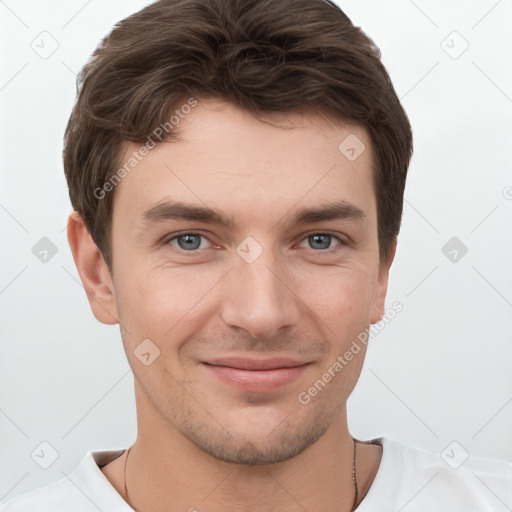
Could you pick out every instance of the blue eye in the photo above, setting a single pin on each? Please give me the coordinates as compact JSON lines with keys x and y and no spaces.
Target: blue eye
{"x":188,"y":241}
{"x":322,"y":241}
{"x":191,"y":242}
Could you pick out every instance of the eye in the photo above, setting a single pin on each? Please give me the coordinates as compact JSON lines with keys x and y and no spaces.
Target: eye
{"x":192,"y":242}
{"x":187,"y":241}
{"x":322,"y":241}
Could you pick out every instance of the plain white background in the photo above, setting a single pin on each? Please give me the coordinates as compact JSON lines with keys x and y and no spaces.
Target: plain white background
{"x":438,"y":373}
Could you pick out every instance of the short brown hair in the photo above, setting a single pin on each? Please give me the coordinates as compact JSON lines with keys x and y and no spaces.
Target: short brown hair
{"x":261,"y":55}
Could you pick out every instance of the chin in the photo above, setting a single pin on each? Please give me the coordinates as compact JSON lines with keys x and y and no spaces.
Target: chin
{"x":263,"y":442}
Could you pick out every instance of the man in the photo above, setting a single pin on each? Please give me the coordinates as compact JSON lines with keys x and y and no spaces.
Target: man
{"x":237,"y":169}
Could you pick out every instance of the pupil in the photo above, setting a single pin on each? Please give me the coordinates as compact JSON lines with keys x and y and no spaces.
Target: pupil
{"x":189,"y":241}
{"x":326,"y":239}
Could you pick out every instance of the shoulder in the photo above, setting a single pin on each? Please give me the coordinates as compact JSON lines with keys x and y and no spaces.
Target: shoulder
{"x":57,"y":496}
{"x":454,"y":480}
{"x":85,"y":489}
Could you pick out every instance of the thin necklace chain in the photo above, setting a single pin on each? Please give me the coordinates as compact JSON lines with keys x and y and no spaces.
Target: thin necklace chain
{"x":354,"y":478}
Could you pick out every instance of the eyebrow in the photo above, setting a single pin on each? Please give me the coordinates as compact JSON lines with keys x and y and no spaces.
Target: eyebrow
{"x":171,"y":210}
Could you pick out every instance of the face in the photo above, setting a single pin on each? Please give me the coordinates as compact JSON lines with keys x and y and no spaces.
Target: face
{"x":214,"y":303}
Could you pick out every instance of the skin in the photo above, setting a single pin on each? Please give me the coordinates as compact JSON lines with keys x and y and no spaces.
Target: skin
{"x":202,"y":443}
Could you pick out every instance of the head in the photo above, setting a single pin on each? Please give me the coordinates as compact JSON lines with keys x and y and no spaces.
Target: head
{"x":276,"y":128}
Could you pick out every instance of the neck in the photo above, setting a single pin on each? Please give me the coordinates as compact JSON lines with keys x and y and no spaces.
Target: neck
{"x":168,"y":472}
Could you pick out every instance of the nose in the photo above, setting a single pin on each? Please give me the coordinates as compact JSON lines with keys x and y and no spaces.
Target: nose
{"x":259,"y":296}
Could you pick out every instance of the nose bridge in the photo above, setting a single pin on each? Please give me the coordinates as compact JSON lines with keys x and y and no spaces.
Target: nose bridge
{"x":257,"y":297}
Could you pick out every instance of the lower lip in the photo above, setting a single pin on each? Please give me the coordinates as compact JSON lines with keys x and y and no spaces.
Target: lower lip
{"x":257,"y":380}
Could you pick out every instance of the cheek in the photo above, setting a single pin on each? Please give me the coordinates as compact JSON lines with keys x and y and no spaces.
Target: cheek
{"x":164,"y":303}
{"x":341,"y":296}
{"x":141,"y":300}
{"x":154,"y":300}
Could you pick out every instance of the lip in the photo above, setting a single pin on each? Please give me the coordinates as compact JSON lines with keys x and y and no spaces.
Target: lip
{"x":256,"y":375}
{"x":245,"y":363}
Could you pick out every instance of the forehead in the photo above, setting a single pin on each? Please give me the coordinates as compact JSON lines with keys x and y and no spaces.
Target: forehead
{"x":225,"y":156}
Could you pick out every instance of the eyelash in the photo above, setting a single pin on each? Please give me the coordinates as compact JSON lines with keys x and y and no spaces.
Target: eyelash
{"x":341,"y":241}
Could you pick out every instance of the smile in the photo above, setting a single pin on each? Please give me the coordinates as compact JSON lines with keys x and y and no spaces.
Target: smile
{"x":256,"y":375}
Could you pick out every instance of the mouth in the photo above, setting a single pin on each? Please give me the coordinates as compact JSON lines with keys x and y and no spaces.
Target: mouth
{"x":256,"y":375}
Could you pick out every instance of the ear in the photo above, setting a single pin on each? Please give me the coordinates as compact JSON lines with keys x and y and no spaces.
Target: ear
{"x":382,"y":286}
{"x":93,"y":271}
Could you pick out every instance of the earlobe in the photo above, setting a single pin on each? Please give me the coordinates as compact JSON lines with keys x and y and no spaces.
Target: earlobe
{"x":382,"y":287}
{"x":93,"y":271}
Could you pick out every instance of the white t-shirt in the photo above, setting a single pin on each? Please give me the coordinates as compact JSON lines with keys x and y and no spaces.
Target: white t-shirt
{"x":408,"y":480}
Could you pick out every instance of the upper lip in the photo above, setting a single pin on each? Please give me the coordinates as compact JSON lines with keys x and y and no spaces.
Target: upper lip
{"x":244,"y":363}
